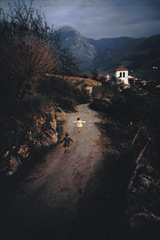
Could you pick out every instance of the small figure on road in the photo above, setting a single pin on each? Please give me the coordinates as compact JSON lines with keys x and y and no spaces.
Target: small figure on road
{"x":67,"y":143}
{"x":79,"y":124}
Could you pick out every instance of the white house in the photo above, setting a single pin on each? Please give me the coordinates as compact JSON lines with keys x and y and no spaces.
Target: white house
{"x":122,"y":74}
{"x":107,"y":77}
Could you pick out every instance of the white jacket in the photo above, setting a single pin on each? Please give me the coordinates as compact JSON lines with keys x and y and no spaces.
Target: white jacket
{"x":79,"y":123}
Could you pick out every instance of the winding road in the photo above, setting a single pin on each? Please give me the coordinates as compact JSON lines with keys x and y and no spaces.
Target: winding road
{"x":46,"y":202}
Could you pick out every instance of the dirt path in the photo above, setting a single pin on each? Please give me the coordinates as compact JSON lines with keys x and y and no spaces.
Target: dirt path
{"x":46,"y":203}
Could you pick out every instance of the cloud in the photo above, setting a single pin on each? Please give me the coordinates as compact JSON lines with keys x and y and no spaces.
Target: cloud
{"x":104,"y":18}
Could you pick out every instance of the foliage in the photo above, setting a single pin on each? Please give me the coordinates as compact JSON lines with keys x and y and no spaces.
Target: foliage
{"x":66,"y":64}
{"x":133,"y":106}
{"x":61,"y":92}
{"x":95,"y":73}
{"x":26,"y":52}
{"x":30,"y":52}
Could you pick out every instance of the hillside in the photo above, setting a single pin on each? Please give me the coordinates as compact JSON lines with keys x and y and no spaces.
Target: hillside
{"x":79,"y":81}
{"x":106,"y":54}
{"x":79,"y":46}
{"x":110,"y":52}
{"x":146,"y":55}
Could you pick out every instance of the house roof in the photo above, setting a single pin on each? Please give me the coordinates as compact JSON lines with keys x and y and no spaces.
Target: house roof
{"x":101,"y":75}
{"x":124,"y":84}
{"x":131,"y":77}
{"x":112,"y":75}
{"x":122,"y":69}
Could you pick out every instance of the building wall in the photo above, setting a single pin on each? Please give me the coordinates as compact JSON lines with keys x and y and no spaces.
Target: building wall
{"x":89,"y":89}
{"x":120,"y":74}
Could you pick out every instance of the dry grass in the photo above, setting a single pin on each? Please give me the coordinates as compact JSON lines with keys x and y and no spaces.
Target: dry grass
{"x":79,"y":81}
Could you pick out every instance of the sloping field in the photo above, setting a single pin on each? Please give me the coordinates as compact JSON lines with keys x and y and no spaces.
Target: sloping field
{"x":79,"y":80}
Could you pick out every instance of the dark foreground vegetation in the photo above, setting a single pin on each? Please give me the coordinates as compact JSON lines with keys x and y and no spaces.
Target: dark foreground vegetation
{"x":127,"y":197}
{"x":30,"y":100}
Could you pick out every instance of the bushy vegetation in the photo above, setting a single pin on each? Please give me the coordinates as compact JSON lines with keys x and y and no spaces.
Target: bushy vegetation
{"x":131,"y":121}
{"x":30,"y":52}
{"x":63,"y":93}
{"x":135,"y":109}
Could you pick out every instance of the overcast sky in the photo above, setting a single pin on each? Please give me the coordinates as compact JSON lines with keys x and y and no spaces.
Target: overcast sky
{"x":102,"y":18}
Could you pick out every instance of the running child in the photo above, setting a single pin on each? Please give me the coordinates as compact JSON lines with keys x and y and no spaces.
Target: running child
{"x":67,"y":143}
{"x":79,"y":124}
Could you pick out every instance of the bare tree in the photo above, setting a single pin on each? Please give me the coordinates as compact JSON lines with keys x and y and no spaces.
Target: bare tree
{"x":27,"y":47}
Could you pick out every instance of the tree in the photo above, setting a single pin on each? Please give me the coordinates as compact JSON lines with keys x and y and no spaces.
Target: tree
{"x":95,"y":73}
{"x":27,"y":48}
{"x":66,"y":64}
{"x":28,"y":53}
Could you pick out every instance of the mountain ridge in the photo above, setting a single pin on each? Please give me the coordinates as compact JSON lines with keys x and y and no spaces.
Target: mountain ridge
{"x":106,"y":54}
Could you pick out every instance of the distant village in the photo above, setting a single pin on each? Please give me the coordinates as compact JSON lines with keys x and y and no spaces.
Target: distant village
{"x":121,"y":78}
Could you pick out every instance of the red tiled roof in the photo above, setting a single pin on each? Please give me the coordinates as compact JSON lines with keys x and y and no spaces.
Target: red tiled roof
{"x":124,"y":84}
{"x":112,"y":75}
{"x":122,"y":69}
{"x":101,"y":75}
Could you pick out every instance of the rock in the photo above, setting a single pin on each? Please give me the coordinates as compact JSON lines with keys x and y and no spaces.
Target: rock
{"x":60,"y":115}
{"x":6,"y":154}
{"x":53,"y":124}
{"x":52,"y":113}
{"x":14,"y":164}
{"x":37,"y":143}
{"x":146,"y":181}
{"x":39,"y":123}
{"x":49,"y":138}
{"x":24,"y":151}
{"x":58,"y":109}
{"x":89,"y":89}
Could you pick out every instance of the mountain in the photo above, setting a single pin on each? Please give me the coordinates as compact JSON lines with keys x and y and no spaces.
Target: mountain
{"x":111,"y":51}
{"x":106,"y":54}
{"x":78,"y":45}
{"x":146,"y":55}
